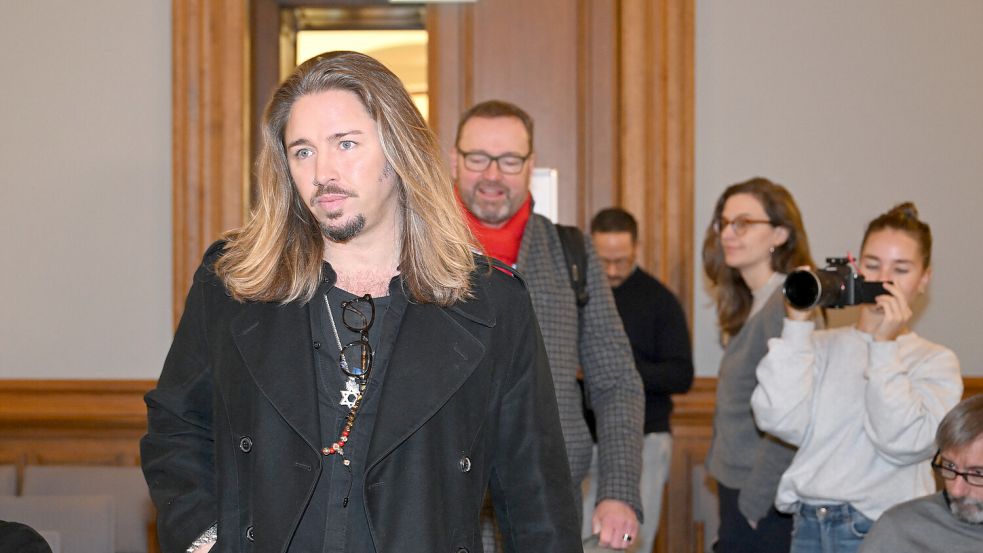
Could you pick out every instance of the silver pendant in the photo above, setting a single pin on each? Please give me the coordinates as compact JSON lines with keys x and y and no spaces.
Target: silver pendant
{"x":350,"y":394}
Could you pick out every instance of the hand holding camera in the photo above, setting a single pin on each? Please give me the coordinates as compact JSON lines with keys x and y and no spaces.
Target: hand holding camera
{"x":836,"y":285}
{"x":839,"y":285}
{"x":894,"y":314}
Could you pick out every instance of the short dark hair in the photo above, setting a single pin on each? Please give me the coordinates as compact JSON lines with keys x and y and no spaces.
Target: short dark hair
{"x":614,"y":219}
{"x":963,"y":425}
{"x":496,"y":108}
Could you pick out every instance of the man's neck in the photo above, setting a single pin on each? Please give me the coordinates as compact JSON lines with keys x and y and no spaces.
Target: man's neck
{"x":365,"y":264}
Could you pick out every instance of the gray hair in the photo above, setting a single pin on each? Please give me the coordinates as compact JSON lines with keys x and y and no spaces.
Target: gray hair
{"x":963,"y":425}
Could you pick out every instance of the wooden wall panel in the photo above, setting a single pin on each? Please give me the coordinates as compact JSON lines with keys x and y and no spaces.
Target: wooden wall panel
{"x":555,"y":59}
{"x":657,"y":121}
{"x":210,"y":134}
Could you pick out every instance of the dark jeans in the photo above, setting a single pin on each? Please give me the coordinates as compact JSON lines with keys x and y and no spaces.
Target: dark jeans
{"x":735,"y":535}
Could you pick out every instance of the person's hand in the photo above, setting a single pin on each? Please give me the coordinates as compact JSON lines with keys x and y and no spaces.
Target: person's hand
{"x":613,"y":521}
{"x":894,"y":314}
{"x":794,"y":314}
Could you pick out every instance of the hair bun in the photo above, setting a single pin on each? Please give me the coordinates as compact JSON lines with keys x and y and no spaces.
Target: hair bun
{"x":905,"y":210}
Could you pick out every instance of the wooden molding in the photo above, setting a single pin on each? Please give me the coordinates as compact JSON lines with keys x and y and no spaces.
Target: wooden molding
{"x":210,"y":137}
{"x":72,"y":421}
{"x":656,"y":160}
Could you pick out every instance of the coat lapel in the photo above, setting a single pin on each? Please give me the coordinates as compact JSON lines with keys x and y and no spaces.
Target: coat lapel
{"x":433,"y":356}
{"x":274,"y":341}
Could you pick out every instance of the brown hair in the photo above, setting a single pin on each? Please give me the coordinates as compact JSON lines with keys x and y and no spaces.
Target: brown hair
{"x":732,"y":295}
{"x":496,"y":108}
{"x":904,"y":217}
{"x":962,"y":425}
{"x":277,"y":255}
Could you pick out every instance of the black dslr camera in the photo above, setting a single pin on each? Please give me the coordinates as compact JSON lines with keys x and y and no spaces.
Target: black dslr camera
{"x":836,"y":285}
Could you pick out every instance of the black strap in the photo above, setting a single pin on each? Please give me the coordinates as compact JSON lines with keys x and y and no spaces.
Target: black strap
{"x":575,"y":254}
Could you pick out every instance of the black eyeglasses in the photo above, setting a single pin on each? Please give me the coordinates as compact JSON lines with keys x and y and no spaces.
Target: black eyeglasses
{"x":949,"y":473}
{"x":509,"y":164}
{"x":357,"y":356}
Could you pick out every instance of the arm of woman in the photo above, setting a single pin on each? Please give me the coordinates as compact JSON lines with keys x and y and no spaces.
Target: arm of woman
{"x":906,"y":398}
{"x":782,"y":399}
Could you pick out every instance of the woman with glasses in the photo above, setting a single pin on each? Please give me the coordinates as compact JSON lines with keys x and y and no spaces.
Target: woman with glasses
{"x":756,"y":236}
{"x":862,"y":402}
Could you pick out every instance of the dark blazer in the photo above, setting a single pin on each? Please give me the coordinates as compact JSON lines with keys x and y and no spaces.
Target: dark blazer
{"x":467,"y":403}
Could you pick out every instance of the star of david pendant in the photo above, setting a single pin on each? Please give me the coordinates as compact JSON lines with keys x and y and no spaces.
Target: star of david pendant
{"x":350,"y":394}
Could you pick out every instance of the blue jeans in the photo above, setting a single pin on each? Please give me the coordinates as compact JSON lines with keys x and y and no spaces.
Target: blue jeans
{"x":837,"y":528}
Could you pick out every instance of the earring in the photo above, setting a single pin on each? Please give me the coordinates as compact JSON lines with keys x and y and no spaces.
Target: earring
{"x":771,"y":249}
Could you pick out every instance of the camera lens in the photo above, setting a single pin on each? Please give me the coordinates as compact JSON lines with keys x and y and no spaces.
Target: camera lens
{"x":802,"y":289}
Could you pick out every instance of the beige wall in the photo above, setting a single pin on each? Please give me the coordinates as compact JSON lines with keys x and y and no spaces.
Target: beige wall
{"x":85,"y":188}
{"x":854,"y":106}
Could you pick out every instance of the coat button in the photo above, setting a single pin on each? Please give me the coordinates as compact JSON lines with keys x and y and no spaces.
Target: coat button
{"x":249,"y":534}
{"x":465,"y":464}
{"x":246,"y":444}
{"x":317,"y":345}
{"x":462,"y":550}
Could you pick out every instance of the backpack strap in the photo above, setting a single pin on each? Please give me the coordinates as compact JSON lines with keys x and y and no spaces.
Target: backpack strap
{"x":575,"y":254}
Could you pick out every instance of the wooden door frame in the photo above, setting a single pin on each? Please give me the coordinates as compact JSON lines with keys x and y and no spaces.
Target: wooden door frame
{"x":651,"y":172}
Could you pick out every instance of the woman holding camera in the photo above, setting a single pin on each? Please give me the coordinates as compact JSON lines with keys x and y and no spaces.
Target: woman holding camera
{"x":862,"y":403}
{"x":755,"y":238}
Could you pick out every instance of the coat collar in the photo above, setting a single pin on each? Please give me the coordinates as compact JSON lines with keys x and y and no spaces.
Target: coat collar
{"x":432,"y":357}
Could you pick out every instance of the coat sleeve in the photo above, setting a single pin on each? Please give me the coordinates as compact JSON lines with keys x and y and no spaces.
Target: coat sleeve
{"x":177,"y":453}
{"x":530,"y":479}
{"x":615,"y":390}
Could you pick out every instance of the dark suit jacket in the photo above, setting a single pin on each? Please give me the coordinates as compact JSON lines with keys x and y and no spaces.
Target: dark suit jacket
{"x":467,"y":403}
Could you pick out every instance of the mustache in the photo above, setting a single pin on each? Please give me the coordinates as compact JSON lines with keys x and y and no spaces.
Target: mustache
{"x":330,"y":188}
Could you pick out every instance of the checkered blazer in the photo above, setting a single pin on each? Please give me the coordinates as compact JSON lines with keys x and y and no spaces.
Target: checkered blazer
{"x":600,"y":346}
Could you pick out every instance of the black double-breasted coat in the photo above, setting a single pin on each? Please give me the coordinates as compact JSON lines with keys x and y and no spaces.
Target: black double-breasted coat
{"x":467,"y":404}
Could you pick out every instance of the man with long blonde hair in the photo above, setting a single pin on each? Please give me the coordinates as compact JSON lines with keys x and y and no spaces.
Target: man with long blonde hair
{"x":348,"y":376}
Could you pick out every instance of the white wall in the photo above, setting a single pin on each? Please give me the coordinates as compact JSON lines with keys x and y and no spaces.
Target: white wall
{"x":854,"y":106}
{"x":85,"y":188}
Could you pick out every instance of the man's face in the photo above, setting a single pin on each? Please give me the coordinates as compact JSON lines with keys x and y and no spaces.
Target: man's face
{"x":491,"y":195}
{"x":617,"y":253}
{"x":965,"y":501}
{"x":338,"y":166}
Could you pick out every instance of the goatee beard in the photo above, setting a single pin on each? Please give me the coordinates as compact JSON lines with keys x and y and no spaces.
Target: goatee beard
{"x":345,"y":232}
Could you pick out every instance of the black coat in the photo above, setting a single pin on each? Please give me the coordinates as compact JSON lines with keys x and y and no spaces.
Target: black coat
{"x":467,"y":403}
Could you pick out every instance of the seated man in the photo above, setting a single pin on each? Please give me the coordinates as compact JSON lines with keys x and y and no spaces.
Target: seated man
{"x":951,"y":520}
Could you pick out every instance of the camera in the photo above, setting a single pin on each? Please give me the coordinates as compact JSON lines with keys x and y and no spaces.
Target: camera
{"x":836,"y":285}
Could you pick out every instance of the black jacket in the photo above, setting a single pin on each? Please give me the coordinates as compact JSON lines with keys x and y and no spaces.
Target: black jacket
{"x":467,"y":403}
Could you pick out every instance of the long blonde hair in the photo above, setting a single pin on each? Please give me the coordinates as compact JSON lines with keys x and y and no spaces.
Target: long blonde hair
{"x":277,"y":255}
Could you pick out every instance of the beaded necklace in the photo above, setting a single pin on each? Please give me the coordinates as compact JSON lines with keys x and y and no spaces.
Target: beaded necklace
{"x":351,"y":396}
